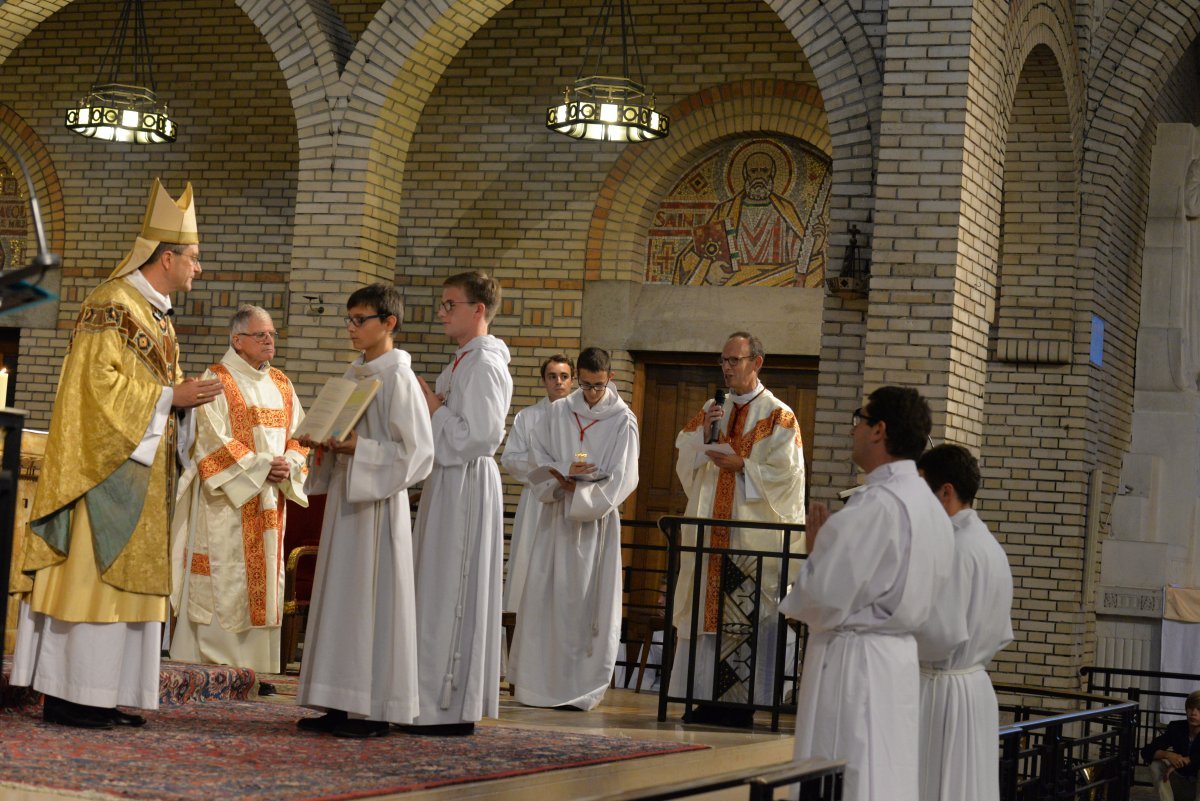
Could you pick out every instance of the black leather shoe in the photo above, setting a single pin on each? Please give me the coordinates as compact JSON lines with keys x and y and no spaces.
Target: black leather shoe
{"x":325,"y":724}
{"x":720,"y":716}
{"x":120,"y":718}
{"x":359,"y":728}
{"x":67,"y":713}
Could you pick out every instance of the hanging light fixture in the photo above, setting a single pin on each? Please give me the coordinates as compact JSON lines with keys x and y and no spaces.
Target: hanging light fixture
{"x":118,"y":110}
{"x":604,"y":108}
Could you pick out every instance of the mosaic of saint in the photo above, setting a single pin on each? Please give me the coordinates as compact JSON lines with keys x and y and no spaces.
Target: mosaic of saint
{"x":755,"y":212}
{"x":14,"y":223}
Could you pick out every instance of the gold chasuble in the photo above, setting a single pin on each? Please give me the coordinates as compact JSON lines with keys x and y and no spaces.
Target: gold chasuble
{"x":98,"y":514}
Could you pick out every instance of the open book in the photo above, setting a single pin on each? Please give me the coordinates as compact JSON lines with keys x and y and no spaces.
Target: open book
{"x":337,"y":409}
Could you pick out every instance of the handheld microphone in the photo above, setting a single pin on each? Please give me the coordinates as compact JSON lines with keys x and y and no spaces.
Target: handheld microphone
{"x":718,"y":400}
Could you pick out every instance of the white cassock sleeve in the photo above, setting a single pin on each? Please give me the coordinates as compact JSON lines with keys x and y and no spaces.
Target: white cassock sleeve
{"x":381,"y":469}
{"x":946,"y":627}
{"x":478,"y":429}
{"x":592,"y":500}
{"x":856,"y":559}
{"x":293,"y":486}
{"x":775,"y":471}
{"x":517,"y":453}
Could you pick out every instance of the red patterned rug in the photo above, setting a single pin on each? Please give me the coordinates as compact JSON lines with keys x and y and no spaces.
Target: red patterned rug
{"x":253,"y":751}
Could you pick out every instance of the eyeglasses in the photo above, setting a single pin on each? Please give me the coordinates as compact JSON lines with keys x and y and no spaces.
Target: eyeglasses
{"x":448,"y":305}
{"x":860,"y":415}
{"x":586,"y":387}
{"x":730,"y":361}
{"x":261,"y":337}
{"x":358,"y":320}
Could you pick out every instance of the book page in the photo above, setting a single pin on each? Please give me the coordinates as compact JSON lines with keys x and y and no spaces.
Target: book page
{"x":354,"y":408}
{"x":320,"y":417}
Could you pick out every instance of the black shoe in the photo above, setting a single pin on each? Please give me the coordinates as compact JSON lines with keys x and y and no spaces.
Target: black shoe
{"x":120,"y":718}
{"x":67,"y":713}
{"x":441,"y":730}
{"x":359,"y":728}
{"x":326,"y":724}
{"x":266,"y":688}
{"x":720,"y":716}
{"x":569,"y":708}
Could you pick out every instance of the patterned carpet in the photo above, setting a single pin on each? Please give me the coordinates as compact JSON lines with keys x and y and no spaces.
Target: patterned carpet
{"x":253,"y":751}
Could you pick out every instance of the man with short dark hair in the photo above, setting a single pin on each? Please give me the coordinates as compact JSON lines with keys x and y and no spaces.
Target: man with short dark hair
{"x":558,"y":374}
{"x":873,"y":571}
{"x":569,"y":621}
{"x":1174,"y":755}
{"x":959,"y":715}
{"x":759,"y":476}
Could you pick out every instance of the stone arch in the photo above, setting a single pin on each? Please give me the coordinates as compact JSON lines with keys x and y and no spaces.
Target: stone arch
{"x":17,"y":134}
{"x":1033,"y":486}
{"x":409,"y":44}
{"x":616,"y":241}
{"x":1035,"y":304}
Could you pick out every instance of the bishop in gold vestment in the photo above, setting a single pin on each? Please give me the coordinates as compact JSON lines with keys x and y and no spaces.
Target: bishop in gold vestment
{"x":95,"y":575}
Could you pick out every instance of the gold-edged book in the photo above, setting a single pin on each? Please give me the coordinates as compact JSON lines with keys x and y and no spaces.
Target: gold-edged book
{"x":337,"y":409}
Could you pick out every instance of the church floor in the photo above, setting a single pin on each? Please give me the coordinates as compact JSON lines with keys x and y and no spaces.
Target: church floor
{"x":624,"y":713}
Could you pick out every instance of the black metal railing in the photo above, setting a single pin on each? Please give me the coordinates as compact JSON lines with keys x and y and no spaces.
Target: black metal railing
{"x":816,"y":780}
{"x":1080,"y":755}
{"x":673,"y":528}
{"x":1155,"y":705}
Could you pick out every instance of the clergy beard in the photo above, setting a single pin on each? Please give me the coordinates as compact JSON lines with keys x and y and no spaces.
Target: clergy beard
{"x":758,"y":190}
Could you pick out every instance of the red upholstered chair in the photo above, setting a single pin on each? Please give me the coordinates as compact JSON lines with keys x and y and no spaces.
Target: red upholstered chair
{"x":301,"y":535}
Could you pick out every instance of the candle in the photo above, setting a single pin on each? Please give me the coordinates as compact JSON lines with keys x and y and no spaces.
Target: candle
{"x":4,"y":386}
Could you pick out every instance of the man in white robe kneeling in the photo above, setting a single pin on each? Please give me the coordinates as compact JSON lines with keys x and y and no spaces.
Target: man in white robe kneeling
{"x":960,"y":755}
{"x":873,"y":572}
{"x":569,"y":621}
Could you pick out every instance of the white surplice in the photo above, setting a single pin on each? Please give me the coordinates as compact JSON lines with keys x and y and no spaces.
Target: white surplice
{"x":227,"y":553}
{"x":361,"y":643}
{"x":569,"y":621}
{"x":959,"y":715}
{"x":869,"y":584}
{"x":458,"y":543}
{"x":769,"y":489}
{"x":515,"y":459}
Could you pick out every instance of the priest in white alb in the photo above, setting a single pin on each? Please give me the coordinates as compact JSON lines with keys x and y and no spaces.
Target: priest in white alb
{"x":761,"y":480}
{"x":959,"y":715}
{"x":360,"y":647}
{"x":569,"y":619}
{"x":873,"y":572}
{"x":458,"y":543}
{"x":227,"y":553}
{"x":558,"y":373}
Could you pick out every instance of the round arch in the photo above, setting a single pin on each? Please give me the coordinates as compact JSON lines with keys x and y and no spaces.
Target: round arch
{"x":617,"y":234}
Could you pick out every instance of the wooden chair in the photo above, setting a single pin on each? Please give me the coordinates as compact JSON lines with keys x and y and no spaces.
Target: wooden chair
{"x":645,"y":613}
{"x":302,"y":533}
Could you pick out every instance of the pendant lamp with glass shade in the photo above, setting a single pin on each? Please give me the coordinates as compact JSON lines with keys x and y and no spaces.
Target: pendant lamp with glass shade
{"x":603,"y":107}
{"x":122,"y":105}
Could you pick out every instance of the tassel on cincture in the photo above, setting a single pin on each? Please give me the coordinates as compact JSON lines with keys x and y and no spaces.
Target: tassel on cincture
{"x":447,"y":684}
